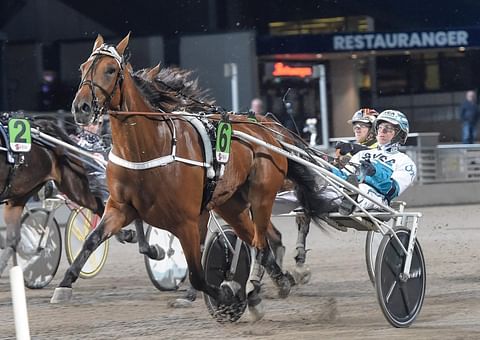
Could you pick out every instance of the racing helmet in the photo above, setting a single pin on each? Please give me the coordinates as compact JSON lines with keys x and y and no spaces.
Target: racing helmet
{"x":366,"y":115}
{"x":397,"y":118}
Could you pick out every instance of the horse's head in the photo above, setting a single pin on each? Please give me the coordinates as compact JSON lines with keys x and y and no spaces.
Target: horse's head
{"x":101,"y":82}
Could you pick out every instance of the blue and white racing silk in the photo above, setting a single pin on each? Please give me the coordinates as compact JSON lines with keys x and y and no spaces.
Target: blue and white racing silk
{"x":403,"y":174}
{"x":404,"y":169}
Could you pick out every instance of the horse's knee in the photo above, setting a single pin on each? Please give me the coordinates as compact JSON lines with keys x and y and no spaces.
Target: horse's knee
{"x":96,"y":237}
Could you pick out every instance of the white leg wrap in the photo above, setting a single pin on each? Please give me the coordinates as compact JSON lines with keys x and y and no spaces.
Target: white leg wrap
{"x":256,"y":274}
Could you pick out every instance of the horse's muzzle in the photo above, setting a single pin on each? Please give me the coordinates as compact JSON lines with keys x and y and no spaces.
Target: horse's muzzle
{"x":82,"y":112}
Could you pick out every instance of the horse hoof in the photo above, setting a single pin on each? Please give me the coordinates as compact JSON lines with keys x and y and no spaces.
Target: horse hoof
{"x":131,"y":236}
{"x":128,"y":236}
{"x":290,"y":278}
{"x":180,"y":303}
{"x":302,"y":275}
{"x":284,"y":286}
{"x":191,"y":295}
{"x":230,"y":290}
{"x":233,"y":286}
{"x":257,"y":312}
{"x":61,"y":295}
{"x":156,"y":252}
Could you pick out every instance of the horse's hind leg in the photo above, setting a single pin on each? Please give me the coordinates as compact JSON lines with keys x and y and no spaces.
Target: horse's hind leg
{"x":12,"y":214}
{"x":261,"y":209}
{"x":113,"y":220}
{"x":301,"y":272}
{"x":275,"y":240}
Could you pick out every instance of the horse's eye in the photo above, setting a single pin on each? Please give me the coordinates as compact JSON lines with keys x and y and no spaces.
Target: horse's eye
{"x":110,"y":70}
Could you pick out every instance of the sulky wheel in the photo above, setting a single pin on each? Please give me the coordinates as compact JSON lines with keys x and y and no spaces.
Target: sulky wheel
{"x":400,"y":299}
{"x":170,"y":272}
{"x":372,"y":243}
{"x":216,"y":261}
{"x":40,"y":248}
{"x":79,"y":225}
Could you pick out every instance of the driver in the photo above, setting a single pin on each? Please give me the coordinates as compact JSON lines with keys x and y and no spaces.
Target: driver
{"x":387,"y":171}
{"x":362,"y":124}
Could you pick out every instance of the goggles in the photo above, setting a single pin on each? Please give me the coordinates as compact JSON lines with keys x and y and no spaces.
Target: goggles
{"x":387,"y":128}
{"x":358,"y":126}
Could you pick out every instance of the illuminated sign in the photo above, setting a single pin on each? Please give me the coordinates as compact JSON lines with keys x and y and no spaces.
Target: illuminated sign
{"x":282,"y":70}
{"x":369,"y":41}
{"x":383,"y":41}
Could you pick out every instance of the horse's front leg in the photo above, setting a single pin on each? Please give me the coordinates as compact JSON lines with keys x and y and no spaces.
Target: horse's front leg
{"x":155,"y":252}
{"x":12,"y":214}
{"x":191,"y":294}
{"x":112,"y":221}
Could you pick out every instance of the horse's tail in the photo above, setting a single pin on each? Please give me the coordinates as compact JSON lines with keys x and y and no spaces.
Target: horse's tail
{"x":311,"y":191}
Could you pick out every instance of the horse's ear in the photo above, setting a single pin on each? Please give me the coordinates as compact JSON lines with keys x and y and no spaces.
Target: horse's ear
{"x":122,"y":45}
{"x":98,"y":42}
{"x":129,"y":68}
{"x":153,"y":72}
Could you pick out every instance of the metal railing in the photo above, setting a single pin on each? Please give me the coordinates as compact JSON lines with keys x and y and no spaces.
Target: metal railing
{"x":446,"y":163}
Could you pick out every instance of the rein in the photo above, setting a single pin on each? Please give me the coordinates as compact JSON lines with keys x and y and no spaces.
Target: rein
{"x":109,"y":51}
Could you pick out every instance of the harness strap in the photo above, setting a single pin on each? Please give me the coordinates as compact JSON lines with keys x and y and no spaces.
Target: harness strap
{"x":165,"y":160}
{"x":162,"y":161}
{"x":207,"y":146}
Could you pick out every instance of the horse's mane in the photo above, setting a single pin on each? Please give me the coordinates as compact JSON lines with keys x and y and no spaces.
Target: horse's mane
{"x":173,"y":89}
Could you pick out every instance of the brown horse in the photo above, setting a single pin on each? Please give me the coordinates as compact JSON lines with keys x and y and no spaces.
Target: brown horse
{"x":170,"y":195}
{"x":20,"y":181}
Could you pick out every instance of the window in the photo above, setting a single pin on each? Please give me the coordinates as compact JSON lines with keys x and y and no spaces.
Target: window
{"x":427,"y":72}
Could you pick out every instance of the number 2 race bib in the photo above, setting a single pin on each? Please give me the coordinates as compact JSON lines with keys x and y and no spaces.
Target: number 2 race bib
{"x":19,"y":132}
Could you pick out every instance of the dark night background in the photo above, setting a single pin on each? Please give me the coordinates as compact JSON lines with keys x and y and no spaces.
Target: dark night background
{"x":34,"y":40}
{"x":170,"y":18}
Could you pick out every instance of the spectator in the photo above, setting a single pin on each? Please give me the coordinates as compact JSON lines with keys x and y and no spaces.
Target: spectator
{"x":257,"y":106}
{"x":469,"y":115}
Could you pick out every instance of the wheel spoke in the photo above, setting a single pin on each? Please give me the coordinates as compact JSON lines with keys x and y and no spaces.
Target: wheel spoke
{"x":78,"y":234}
{"x":405,"y":297}
{"x":390,"y":291}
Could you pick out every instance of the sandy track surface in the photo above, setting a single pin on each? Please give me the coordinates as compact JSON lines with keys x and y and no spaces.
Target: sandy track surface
{"x":339,"y":302}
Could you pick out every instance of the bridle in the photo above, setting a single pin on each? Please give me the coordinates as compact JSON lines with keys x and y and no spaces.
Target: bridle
{"x":103,"y":50}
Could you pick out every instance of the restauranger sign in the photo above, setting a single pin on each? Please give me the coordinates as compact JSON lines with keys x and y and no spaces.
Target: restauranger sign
{"x":387,"y":41}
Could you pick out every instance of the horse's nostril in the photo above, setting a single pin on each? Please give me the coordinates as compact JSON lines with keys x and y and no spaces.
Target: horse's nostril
{"x":86,"y":108}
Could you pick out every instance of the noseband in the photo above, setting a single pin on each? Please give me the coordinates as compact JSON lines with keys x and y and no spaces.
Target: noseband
{"x":103,"y":50}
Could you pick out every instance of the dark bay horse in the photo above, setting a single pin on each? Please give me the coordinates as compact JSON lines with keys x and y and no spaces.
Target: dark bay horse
{"x":170,"y":195}
{"x":19,"y":182}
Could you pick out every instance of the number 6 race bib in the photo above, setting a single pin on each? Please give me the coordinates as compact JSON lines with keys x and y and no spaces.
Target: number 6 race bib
{"x":224,"y":139}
